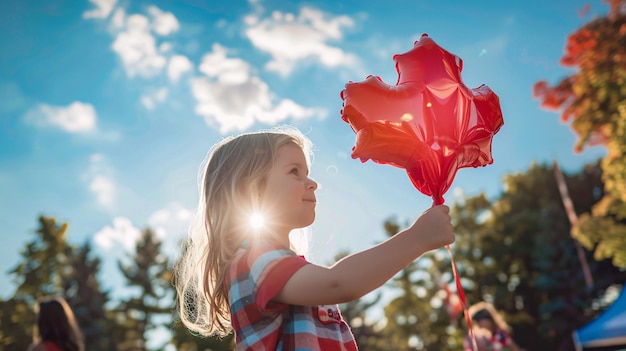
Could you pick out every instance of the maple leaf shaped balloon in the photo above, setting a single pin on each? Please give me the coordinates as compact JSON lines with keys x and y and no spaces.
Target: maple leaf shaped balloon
{"x":429,"y":123}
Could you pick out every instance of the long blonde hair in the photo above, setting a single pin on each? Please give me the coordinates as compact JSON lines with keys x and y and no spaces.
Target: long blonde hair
{"x":232,"y":179}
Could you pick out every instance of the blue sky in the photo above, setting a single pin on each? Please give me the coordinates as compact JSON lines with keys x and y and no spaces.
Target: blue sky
{"x":107,"y":108}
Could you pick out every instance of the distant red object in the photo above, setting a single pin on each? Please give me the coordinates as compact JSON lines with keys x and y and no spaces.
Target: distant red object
{"x":429,"y":123}
{"x":453,"y":303}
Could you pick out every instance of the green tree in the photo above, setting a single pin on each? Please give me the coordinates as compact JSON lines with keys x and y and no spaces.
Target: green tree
{"x":15,"y":325}
{"x":88,"y":300}
{"x":518,"y":253}
{"x":39,"y":273}
{"x":417,"y":319}
{"x":594,"y":99}
{"x":148,"y":275}
{"x":184,"y":340}
{"x":49,"y":265}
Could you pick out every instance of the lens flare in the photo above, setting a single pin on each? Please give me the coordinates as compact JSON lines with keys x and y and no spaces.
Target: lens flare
{"x":257,"y":221}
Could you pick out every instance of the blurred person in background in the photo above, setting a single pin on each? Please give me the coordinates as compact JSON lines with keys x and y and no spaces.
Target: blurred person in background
{"x":55,"y":327}
{"x":492,"y":333}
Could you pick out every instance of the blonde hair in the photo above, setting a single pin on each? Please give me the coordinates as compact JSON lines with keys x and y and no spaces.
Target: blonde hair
{"x":232,"y":178}
{"x":55,"y":322}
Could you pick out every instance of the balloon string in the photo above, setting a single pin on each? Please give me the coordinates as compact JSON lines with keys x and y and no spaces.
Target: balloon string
{"x":461,"y":292}
{"x":438,"y":200}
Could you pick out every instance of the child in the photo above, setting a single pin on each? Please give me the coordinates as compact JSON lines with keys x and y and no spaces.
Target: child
{"x":491,"y":331}
{"x":246,"y":277}
{"x":55,"y":327}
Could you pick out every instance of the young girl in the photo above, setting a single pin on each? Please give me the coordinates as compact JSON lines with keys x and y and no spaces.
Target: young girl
{"x":55,"y":327}
{"x":492,"y":333}
{"x":234,"y":274}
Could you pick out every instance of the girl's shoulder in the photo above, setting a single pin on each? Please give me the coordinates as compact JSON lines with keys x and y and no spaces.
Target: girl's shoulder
{"x":261,"y":257}
{"x":264,"y":247}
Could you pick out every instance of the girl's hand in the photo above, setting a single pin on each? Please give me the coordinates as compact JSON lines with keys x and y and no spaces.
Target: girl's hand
{"x":433,"y":229}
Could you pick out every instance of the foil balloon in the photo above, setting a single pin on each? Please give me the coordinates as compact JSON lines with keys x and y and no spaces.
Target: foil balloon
{"x":429,"y":123}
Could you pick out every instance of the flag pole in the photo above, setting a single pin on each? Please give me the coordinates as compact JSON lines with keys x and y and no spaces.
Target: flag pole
{"x":573,"y":219}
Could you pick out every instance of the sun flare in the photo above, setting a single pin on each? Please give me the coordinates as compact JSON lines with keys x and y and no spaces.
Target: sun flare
{"x":257,"y":221}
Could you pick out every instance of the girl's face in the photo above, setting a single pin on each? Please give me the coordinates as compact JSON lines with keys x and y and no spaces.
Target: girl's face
{"x":486,"y":324}
{"x":289,"y":195}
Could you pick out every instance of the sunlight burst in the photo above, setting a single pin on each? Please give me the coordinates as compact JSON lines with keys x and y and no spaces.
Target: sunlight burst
{"x":257,"y":221}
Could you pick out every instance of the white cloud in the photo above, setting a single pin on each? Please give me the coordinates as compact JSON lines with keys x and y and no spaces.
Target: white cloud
{"x":228,"y":96}
{"x":137,"y":42}
{"x":102,"y":10}
{"x":103,"y":188}
{"x":233,"y":99}
{"x":149,"y":101}
{"x":118,"y":19}
{"x":170,"y":224}
{"x":290,"y":39}
{"x":178,"y":66}
{"x":100,"y":180}
{"x":164,"y":23}
{"x":137,"y":48}
{"x":77,"y":117}
{"x":121,"y":233}
{"x":165,"y":47}
{"x":226,"y":70}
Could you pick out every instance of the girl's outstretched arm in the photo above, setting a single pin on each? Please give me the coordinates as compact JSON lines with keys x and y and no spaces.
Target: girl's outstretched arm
{"x":360,"y":273}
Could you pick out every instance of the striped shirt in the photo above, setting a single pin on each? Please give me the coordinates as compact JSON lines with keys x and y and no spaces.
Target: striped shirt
{"x":257,"y":274}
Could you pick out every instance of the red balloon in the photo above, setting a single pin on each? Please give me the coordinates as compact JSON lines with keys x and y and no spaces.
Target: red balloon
{"x":429,"y":123}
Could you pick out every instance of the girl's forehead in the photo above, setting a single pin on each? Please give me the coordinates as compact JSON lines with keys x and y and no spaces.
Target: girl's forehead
{"x":291,"y":153}
{"x":290,"y":150}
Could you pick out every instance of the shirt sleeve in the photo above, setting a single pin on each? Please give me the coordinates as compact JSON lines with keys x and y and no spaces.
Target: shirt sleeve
{"x":270,"y":271}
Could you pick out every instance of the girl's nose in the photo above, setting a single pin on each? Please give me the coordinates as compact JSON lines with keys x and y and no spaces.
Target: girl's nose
{"x":311,"y":185}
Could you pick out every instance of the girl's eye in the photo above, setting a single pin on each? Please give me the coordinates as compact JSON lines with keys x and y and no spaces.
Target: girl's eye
{"x":294,"y":171}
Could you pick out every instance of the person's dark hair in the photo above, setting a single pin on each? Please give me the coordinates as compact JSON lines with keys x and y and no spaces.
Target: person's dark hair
{"x":56,"y":323}
{"x":484,"y":310}
{"x":481,"y":315}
